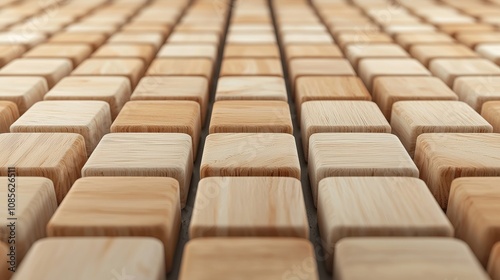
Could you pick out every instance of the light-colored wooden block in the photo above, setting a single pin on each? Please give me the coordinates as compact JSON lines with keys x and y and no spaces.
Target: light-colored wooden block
{"x":151,"y":38}
{"x":200,"y":27}
{"x":319,"y":67}
{"x":302,"y":27}
{"x":5,"y":272}
{"x":251,"y":67}
{"x":251,"y":88}
{"x":291,"y":38}
{"x":312,"y":51}
{"x":34,"y":206}
{"x":142,"y":51}
{"x":132,"y":68}
{"x":457,"y":28}
{"x":473,"y":210}
{"x":71,"y":257}
{"x":141,"y":27}
{"x":249,"y":38}
{"x":370,"y":69}
{"x":395,"y":29}
{"x":450,"y":69}
{"x":250,"y":154}
{"x":74,"y":52}
{"x":357,"y":154}
{"x":101,"y":206}
{"x":95,"y":40}
{"x":251,"y":116}
{"x":490,"y":51}
{"x":251,"y":51}
{"x":431,"y":258}
{"x":27,"y":39}
{"x":274,"y":258}
{"x":352,"y":207}
{"x":344,"y":39}
{"x":23,"y":91}
{"x":10,"y":52}
{"x":56,"y":156}
{"x":92,"y":27}
{"x":475,"y":91}
{"x":258,"y":207}
{"x":357,"y":52}
{"x":8,"y":115}
{"x":52,"y":70}
{"x":251,"y":27}
{"x":144,"y":154}
{"x":472,"y":39}
{"x":180,"y":37}
{"x":491,"y":113}
{"x":91,"y":119}
{"x":188,"y":51}
{"x":494,"y":262}
{"x":426,"y":53}
{"x":407,"y":40}
{"x":181,"y":67}
{"x":442,"y":157}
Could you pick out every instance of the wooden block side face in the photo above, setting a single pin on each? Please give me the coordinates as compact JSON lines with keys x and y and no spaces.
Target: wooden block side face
{"x":491,"y":113}
{"x":188,"y":51}
{"x":450,"y":69}
{"x":313,"y":51}
{"x":251,"y":67}
{"x":132,"y":68}
{"x":93,"y":39}
{"x":23,"y":91}
{"x":181,"y":67}
{"x":494,"y":263}
{"x":53,"y":70}
{"x":142,"y":51}
{"x":10,"y":52}
{"x":251,"y":88}
{"x":251,"y":51}
{"x":475,"y":91}
{"x":8,"y":115}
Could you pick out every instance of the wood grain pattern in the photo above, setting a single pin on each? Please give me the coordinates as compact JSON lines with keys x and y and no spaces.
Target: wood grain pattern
{"x":56,"y":156}
{"x":144,"y":154}
{"x":249,"y":206}
{"x":251,"y":88}
{"x":357,"y":154}
{"x":5,"y":273}
{"x":426,"y":53}
{"x":132,"y":68}
{"x":101,"y":206}
{"x":181,"y":67}
{"x":490,"y":51}
{"x":10,"y":52}
{"x":251,"y":67}
{"x":491,"y":113}
{"x":151,"y":38}
{"x":75,"y":258}
{"x":494,"y":262}
{"x":450,"y":69}
{"x":472,"y":39}
{"x":188,"y":51}
{"x":95,"y":40}
{"x":251,"y":51}
{"x":74,"y":52}
{"x":441,"y":158}
{"x":8,"y":115}
{"x":312,"y":51}
{"x":411,"y":39}
{"x":27,"y":39}
{"x":357,"y":52}
{"x":417,"y":258}
{"x":319,"y":67}
{"x":142,"y":51}
{"x":53,"y":70}
{"x":247,"y":258}
{"x":250,"y":154}
{"x":344,"y":39}
{"x":475,"y":91}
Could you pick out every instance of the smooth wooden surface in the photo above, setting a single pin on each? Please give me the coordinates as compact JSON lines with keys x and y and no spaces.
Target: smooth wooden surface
{"x":181,"y":67}
{"x":182,"y":37}
{"x":53,"y":70}
{"x":75,"y":258}
{"x":151,"y":38}
{"x":257,"y":37}
{"x":407,"y":40}
{"x":10,"y":52}
{"x":94,"y":40}
{"x":494,"y":262}
{"x":312,"y":51}
{"x":250,"y":154}
{"x":475,"y":91}
{"x":188,"y":51}
{"x":319,"y":67}
{"x":249,"y":206}
{"x":472,"y":39}
{"x":357,"y":52}
{"x":247,"y":258}
{"x":251,"y":51}
{"x":304,"y":37}
{"x":450,"y":69}
{"x":74,"y":52}
{"x":5,"y":273}
{"x":490,"y":51}
{"x":430,"y":258}
{"x":344,"y":39}
{"x":251,"y":88}
{"x":8,"y":115}
{"x":132,"y":68}
{"x":144,"y":154}
{"x":27,"y":39}
{"x":426,"y":53}
{"x":442,"y":157}
{"x":491,"y":113}
{"x":251,"y":67}
{"x":142,"y":51}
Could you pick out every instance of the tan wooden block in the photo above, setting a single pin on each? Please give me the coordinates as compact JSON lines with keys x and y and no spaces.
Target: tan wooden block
{"x":454,"y":28}
{"x":27,"y":39}
{"x":251,"y":88}
{"x":200,"y":27}
{"x":249,"y":116}
{"x":356,"y":52}
{"x":53,"y":70}
{"x":179,"y":37}
{"x":251,"y":67}
{"x":351,"y":207}
{"x":450,"y":69}
{"x":146,"y":155}
{"x":251,"y":51}
{"x":142,"y":51}
{"x":249,"y":38}
{"x":8,"y":115}
{"x":250,"y":154}
{"x":74,"y":52}
{"x":132,"y":68}
{"x":407,"y":40}
{"x":426,"y":53}
{"x":188,"y":51}
{"x":319,"y":67}
{"x":300,"y":27}
{"x":472,"y":39}
{"x":370,"y":69}
{"x":141,"y":27}
{"x":181,"y":67}
{"x":312,"y":51}
{"x":154,"y":39}
{"x":306,"y":38}
{"x":357,"y":154}
{"x":141,"y":257}
{"x":23,"y":91}
{"x":490,"y":51}
{"x":344,"y":39}
{"x":491,"y":113}
{"x":494,"y":262}
{"x":432,"y":258}
{"x":395,"y":29}
{"x":10,"y":52}
{"x":254,"y":27}
{"x":473,"y":210}
{"x":442,"y":157}
{"x":258,"y":207}
{"x":92,"y":27}
{"x":95,"y":40}
{"x":475,"y":91}
{"x":101,"y":206}
{"x":409,"y":119}
{"x":6,"y":270}
{"x":350,"y":27}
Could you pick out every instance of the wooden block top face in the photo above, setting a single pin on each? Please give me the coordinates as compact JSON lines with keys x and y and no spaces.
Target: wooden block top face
{"x":395,"y":29}
{"x":471,"y":39}
{"x":408,"y":40}
{"x":294,"y":27}
{"x":117,"y":256}
{"x":346,"y":38}
{"x":8,"y":115}
{"x":449,"y":69}
{"x":426,"y":53}
{"x":194,"y":37}
{"x":131,"y":68}
{"x":93,"y":39}
{"x":251,"y":26}
{"x":251,"y":88}
{"x":24,"y":91}
{"x":290,"y":38}
{"x":248,"y":38}
{"x":356,"y":52}
{"x":251,"y":67}
{"x":181,"y":67}
{"x":10,"y":52}
{"x":330,"y":88}
{"x":431,"y":258}
{"x":313,"y":51}
{"x":144,"y":52}
{"x":92,"y":27}
{"x":188,"y":51}
{"x":494,"y":262}
{"x":490,"y":51}
{"x":475,"y":91}
{"x":320,"y":67}
{"x":75,"y":52}
{"x":258,"y":206}
{"x":154,"y":39}
{"x":251,"y":51}
{"x":250,"y":154}
{"x":455,"y":28}
{"x":491,"y":113}
{"x":27,"y":39}
{"x":51,"y":69}
{"x":273,"y":256}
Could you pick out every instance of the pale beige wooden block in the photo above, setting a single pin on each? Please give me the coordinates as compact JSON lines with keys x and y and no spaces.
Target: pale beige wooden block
{"x":251,"y":88}
{"x":181,"y":37}
{"x":200,"y":27}
{"x":257,"y":207}
{"x":357,"y":52}
{"x":407,"y":40}
{"x":312,"y":51}
{"x":188,"y":51}
{"x":8,"y":115}
{"x":472,"y":39}
{"x":181,"y":67}
{"x":251,"y":51}
{"x":95,"y":40}
{"x":10,"y":52}
{"x":319,"y":67}
{"x":347,"y":26}
{"x":442,"y":157}
{"x":140,"y":27}
{"x":132,"y":68}
{"x":450,"y":69}
{"x":490,"y":51}
{"x":473,"y":210}
{"x":395,"y":29}
{"x":274,"y":258}
{"x":251,"y":67}
{"x":249,"y":38}
{"x":307,"y":27}
{"x":91,"y":119}
{"x":250,"y":154}
{"x":56,"y":156}
{"x":491,"y":113}
{"x":457,"y":28}
{"x":344,"y":39}
{"x":430,"y":258}
{"x":74,"y":52}
{"x":27,"y":39}
{"x":249,"y":116}
{"x":306,"y":38}
{"x":151,"y":38}
{"x":144,"y":154}
{"x":475,"y":91}
{"x":5,"y":273}
{"x":370,"y":69}
{"x":92,"y":27}
{"x":376,"y":206}
{"x":62,"y":258}
{"x":34,"y":206}
{"x":494,"y":262}
{"x":101,"y":206}
{"x":142,"y":51}
{"x":251,"y":26}
{"x":427,"y":53}
{"x":357,"y":154}
{"x":52,"y":70}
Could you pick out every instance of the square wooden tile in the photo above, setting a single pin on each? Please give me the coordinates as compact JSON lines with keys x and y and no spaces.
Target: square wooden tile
{"x":281,"y":211}
{"x":407,"y":40}
{"x":144,"y":154}
{"x":312,"y":51}
{"x":101,"y":206}
{"x":357,"y":52}
{"x":319,"y":67}
{"x":250,"y":154}
{"x":10,"y":52}
{"x":475,"y":91}
{"x":132,"y":68}
{"x":52,"y":70}
{"x":181,"y":67}
{"x":251,"y":88}
{"x":442,"y":157}
{"x":251,"y":67}
{"x":357,"y":154}
{"x":151,"y":38}
{"x":188,"y":51}
{"x":142,"y":51}
{"x":273,"y":256}
{"x":27,"y":39}
{"x":251,"y":51}
{"x":74,"y":52}
{"x":249,"y":38}
{"x":181,"y":37}
{"x":494,"y":262}
{"x":344,"y":39}
{"x":8,"y":115}
{"x":473,"y":210}
{"x":472,"y":39}
{"x":491,"y":113}
{"x":450,"y":69}
{"x":428,"y":257}
{"x":351,"y":207}
{"x":23,"y":91}
{"x":95,"y":40}
{"x":490,"y":51}
{"x":426,"y":53}
{"x":5,"y":273}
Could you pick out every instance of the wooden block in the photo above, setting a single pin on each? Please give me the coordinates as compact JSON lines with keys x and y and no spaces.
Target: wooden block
{"x":475,"y":91}
{"x":441,"y":157}
{"x":251,"y":51}
{"x":179,"y":37}
{"x":5,"y":272}
{"x":246,"y":38}
{"x":472,"y":39}
{"x":454,"y":28}
{"x":279,"y":200}
{"x":450,"y":69}
{"x":409,"y":119}
{"x":350,"y":207}
{"x":319,"y":67}
{"x":473,"y":210}
{"x":490,"y":51}
{"x":144,"y":154}
{"x":251,"y":67}
{"x":357,"y":52}
{"x":27,"y":39}
{"x":53,"y":70}
{"x":396,"y":29}
{"x":494,"y":262}
{"x":251,"y":27}
{"x":250,"y":154}
{"x":181,"y":67}
{"x":491,"y":113}
{"x":251,"y":88}
{"x":141,"y":257}
{"x":10,"y":52}
{"x":357,"y":154}
{"x":197,"y":27}
{"x":407,"y":40}
{"x":428,"y":257}
{"x":8,"y":115}
{"x":426,"y":53}
{"x":306,"y":38}
{"x":350,"y":27}
{"x":95,"y":40}
{"x":74,"y":52}
{"x":151,"y":38}
{"x":312,"y":51}
{"x":142,"y":51}
{"x":307,"y":27}
{"x":132,"y":68}
{"x":344,"y":39}
{"x":188,"y":51}
{"x":273,"y":256}
{"x":23,"y":91}
{"x":140,"y":27}
{"x":92,"y":27}
{"x":101,"y":206}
